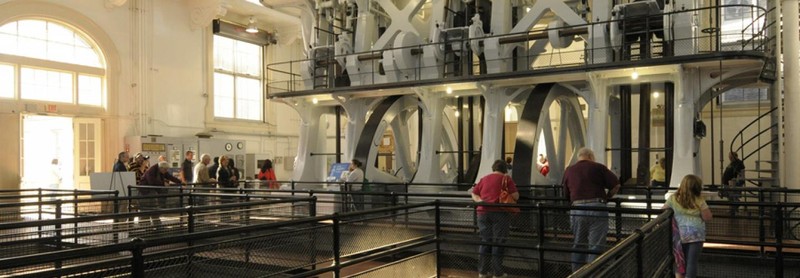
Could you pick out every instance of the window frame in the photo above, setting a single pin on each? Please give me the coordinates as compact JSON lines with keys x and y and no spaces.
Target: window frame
{"x":235,"y":76}
{"x":74,"y":70}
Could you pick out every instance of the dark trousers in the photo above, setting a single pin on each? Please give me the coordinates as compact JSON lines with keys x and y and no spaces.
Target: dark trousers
{"x":691,"y":253}
{"x":493,"y":229}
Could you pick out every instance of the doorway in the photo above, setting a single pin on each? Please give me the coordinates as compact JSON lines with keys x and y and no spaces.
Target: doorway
{"x":47,"y":152}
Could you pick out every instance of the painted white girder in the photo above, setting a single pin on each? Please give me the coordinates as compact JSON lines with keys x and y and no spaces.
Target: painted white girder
{"x":312,"y":139}
{"x":403,"y":20}
{"x":496,"y":101}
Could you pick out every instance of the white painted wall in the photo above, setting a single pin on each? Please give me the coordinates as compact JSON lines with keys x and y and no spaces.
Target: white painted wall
{"x":162,"y":77}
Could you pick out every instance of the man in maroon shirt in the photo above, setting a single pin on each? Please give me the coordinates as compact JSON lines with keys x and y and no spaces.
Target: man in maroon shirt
{"x":585,"y":184}
{"x":156,"y":175}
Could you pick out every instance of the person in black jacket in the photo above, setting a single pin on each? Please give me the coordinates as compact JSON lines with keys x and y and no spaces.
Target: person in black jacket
{"x":122,"y":158}
{"x":225,"y":180}
{"x":224,"y":174}
{"x":156,"y":175}
{"x":733,"y":177}
{"x":234,"y":171}
{"x":212,"y":170}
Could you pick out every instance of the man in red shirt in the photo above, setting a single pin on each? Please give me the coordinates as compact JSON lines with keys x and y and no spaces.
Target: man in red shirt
{"x":585,"y":184}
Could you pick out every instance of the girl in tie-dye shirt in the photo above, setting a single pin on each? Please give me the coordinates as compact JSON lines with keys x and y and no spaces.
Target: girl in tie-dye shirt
{"x":691,"y":215}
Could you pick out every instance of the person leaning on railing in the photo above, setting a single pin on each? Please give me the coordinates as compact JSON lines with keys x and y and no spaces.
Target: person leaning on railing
{"x":156,"y":175}
{"x":691,"y":215}
{"x":585,"y":184}
{"x":493,"y":222}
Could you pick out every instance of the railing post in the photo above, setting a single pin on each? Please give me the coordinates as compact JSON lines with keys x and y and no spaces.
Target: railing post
{"x":75,"y":214}
{"x":336,"y":246}
{"x":180,"y":199}
{"x":639,"y":253}
{"x":190,"y":219}
{"x":130,"y":205}
{"x":246,"y":213}
{"x":58,"y":231}
{"x":540,"y":235}
{"x":137,"y":258}
{"x":761,"y":228}
{"x":618,"y":220}
{"x":437,"y":235}
{"x":40,"y":202}
{"x":312,"y":210}
{"x":116,"y":218}
{"x":778,"y":241}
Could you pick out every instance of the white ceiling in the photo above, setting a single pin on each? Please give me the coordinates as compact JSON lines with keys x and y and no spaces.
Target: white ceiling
{"x":280,"y":17}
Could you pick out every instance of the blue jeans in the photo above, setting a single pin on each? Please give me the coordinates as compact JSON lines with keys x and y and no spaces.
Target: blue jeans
{"x":590,"y":228}
{"x":493,"y":229}
{"x":691,"y":253}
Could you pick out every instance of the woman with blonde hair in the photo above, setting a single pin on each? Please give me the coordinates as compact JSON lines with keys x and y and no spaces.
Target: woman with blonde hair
{"x":691,"y":214}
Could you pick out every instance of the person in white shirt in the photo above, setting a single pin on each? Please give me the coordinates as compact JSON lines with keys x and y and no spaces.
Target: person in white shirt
{"x":202,"y":178}
{"x":356,"y":176}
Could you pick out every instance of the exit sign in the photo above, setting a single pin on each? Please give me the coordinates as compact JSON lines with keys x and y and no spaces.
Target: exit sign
{"x":50,"y":108}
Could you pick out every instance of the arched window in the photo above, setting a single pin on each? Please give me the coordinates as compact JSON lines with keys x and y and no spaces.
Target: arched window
{"x":44,"y":60}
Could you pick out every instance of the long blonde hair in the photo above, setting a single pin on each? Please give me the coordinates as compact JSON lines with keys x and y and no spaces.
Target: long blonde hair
{"x":691,"y":186}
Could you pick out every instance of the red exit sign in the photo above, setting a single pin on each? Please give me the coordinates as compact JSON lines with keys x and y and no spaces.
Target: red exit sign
{"x":50,"y":108}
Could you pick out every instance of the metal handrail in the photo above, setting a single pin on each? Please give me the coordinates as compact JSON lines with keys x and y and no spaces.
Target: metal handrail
{"x":743,"y":142}
{"x":280,"y":65}
{"x":623,"y":246}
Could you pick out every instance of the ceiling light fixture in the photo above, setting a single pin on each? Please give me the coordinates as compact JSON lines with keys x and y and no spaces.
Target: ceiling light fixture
{"x":458,"y":114}
{"x":655,"y":94}
{"x":314,"y":100}
{"x":251,"y":27}
{"x":449,"y":90}
{"x":634,"y":75}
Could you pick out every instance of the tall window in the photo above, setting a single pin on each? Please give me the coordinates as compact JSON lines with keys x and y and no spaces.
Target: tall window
{"x":238,"y":73}
{"x":50,"y":62}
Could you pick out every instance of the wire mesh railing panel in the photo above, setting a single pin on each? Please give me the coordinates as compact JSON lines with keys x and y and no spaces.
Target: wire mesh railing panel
{"x":362,"y":233}
{"x":246,"y":255}
{"x":463,"y":259}
{"x":656,"y":253}
{"x":738,"y":266}
{"x":622,"y":266}
{"x":423,"y":265}
{"x":747,"y":226}
{"x":110,"y":272}
{"x":88,"y":264}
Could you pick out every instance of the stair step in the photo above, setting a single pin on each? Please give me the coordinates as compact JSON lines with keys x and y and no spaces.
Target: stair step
{"x":767,"y":161}
{"x":763,"y":170}
{"x":760,"y":179}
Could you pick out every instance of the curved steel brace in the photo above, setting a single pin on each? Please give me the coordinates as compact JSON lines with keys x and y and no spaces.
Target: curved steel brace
{"x":387,"y":111}
{"x":732,"y":79}
{"x":535,"y":121}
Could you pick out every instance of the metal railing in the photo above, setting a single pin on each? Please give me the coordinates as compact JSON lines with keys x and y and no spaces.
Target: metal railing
{"x":646,"y":253}
{"x":38,"y":204}
{"x":440,"y":233}
{"x":117,"y":226}
{"x":751,"y":41}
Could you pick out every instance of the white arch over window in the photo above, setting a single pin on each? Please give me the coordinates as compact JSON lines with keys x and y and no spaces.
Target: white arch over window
{"x":90,"y":58}
{"x":51,"y":62}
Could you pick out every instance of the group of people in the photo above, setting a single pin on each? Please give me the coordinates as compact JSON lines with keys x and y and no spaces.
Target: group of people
{"x":222,"y":172}
{"x":588,"y":185}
